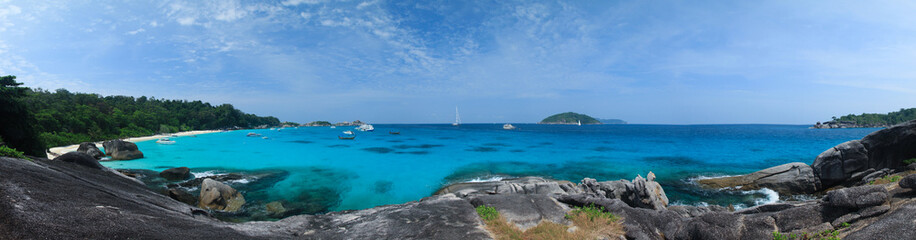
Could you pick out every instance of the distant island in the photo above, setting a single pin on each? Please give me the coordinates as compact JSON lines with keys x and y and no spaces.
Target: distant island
{"x":569,"y":118}
{"x":612,"y":121}
{"x":869,"y":120}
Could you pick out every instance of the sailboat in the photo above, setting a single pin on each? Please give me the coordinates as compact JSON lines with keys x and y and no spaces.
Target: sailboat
{"x":579,"y":122}
{"x":457,"y":118}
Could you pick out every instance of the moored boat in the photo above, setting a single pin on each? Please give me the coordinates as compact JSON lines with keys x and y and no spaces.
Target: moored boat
{"x":394,"y":133}
{"x":346,"y":137}
{"x":508,"y":126}
{"x":165,"y":141}
{"x":348,"y":132}
{"x":366,"y":128}
{"x":252,"y":134}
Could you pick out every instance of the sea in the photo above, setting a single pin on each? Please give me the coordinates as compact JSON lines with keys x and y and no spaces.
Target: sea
{"x":311,"y":169}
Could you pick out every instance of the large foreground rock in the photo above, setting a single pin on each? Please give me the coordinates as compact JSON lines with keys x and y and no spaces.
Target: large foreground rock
{"x":525,"y":211}
{"x":790,"y":178}
{"x":91,"y":149}
{"x":219,"y":196}
{"x":43,"y":199}
{"x":846,"y":163}
{"x":121,"y":150}
{"x":839,"y":163}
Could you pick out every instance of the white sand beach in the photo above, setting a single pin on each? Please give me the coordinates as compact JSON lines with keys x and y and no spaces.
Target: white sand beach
{"x":57,"y":151}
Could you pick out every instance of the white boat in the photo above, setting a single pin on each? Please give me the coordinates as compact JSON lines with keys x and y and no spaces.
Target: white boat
{"x":265,"y":138}
{"x":457,"y":118}
{"x":508,"y":126}
{"x":366,"y":128}
{"x":333,"y":127}
{"x":165,"y":141}
{"x":252,"y":134}
{"x":348,"y":132}
{"x":579,"y":122}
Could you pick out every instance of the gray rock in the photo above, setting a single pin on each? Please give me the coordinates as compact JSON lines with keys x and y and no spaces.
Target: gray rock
{"x":218,"y":196}
{"x":712,"y":226}
{"x":275,"y":208}
{"x":438,"y":217}
{"x":91,"y":149}
{"x":523,"y":185}
{"x":638,"y":193}
{"x":894,"y":225}
{"x":525,"y":211}
{"x":44,"y":199}
{"x":908,"y":182}
{"x":875,"y":175}
{"x":887,"y":148}
{"x":790,"y":178}
{"x":910,"y":167}
{"x":121,"y":150}
{"x":837,"y":164}
{"x":181,"y":196}
{"x":857,"y":197}
{"x":174,"y":174}
{"x":81,"y":159}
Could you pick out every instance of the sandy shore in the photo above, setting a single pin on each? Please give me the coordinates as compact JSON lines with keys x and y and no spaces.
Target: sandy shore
{"x":71,"y":148}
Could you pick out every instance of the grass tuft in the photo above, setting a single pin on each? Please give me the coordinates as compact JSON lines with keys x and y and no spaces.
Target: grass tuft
{"x":487,"y":213}
{"x":590,"y":223}
{"x":886,"y":179}
{"x":909,"y":161}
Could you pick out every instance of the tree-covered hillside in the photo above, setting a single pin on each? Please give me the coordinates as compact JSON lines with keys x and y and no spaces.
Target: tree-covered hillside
{"x":880,"y":119}
{"x":62,"y":117}
{"x":569,"y":118}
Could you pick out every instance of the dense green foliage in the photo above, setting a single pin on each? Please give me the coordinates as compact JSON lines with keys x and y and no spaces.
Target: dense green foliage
{"x":15,"y":120}
{"x":875,"y":119}
{"x":319,"y":123}
{"x":9,"y":152}
{"x":569,"y":118}
{"x":62,"y":118}
{"x":909,"y":161}
{"x":487,"y":213}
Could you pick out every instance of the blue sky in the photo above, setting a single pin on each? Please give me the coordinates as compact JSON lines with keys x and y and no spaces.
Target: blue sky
{"x":670,"y":62}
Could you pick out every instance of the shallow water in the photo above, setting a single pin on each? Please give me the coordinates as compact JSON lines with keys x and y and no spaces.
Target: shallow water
{"x":378,"y":168}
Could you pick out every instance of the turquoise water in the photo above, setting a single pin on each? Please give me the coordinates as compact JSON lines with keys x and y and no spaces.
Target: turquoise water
{"x":379,"y":168}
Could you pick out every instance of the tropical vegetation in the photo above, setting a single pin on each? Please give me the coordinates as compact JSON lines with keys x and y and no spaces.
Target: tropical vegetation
{"x":569,"y":118}
{"x":880,"y":119}
{"x":47,"y":119}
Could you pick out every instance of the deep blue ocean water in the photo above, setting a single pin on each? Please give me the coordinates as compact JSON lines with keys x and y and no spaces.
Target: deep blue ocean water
{"x":379,"y":168}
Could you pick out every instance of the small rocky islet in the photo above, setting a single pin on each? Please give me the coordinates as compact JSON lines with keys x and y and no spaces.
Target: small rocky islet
{"x":862,"y":189}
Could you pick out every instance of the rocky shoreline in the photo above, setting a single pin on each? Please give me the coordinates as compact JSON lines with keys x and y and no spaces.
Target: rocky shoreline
{"x":865,"y":192}
{"x":845,"y":124}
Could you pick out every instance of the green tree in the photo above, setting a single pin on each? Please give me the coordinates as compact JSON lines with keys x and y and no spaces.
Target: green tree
{"x":15,"y":119}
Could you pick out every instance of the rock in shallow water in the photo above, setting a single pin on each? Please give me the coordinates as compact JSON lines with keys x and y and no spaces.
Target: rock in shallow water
{"x":174,"y":174}
{"x":790,"y":178}
{"x":218,"y":196}
{"x":121,"y":150}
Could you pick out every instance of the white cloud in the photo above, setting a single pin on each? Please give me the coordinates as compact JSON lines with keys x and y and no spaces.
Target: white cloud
{"x":298,"y":2}
{"x":366,"y":4}
{"x":134,"y":32}
{"x":305,"y":15}
{"x":154,"y":24}
{"x":186,"y":21}
{"x":7,"y":11}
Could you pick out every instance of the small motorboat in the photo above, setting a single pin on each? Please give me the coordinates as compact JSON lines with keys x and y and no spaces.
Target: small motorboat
{"x":366,"y":128}
{"x":252,"y":134}
{"x":332,"y":127}
{"x":165,"y":141}
{"x":394,"y":133}
{"x":508,"y":126}
{"x":265,"y":137}
{"x":348,"y":132}
{"x":346,"y":137}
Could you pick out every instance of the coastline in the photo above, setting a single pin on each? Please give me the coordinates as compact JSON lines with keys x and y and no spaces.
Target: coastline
{"x":72,"y":148}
